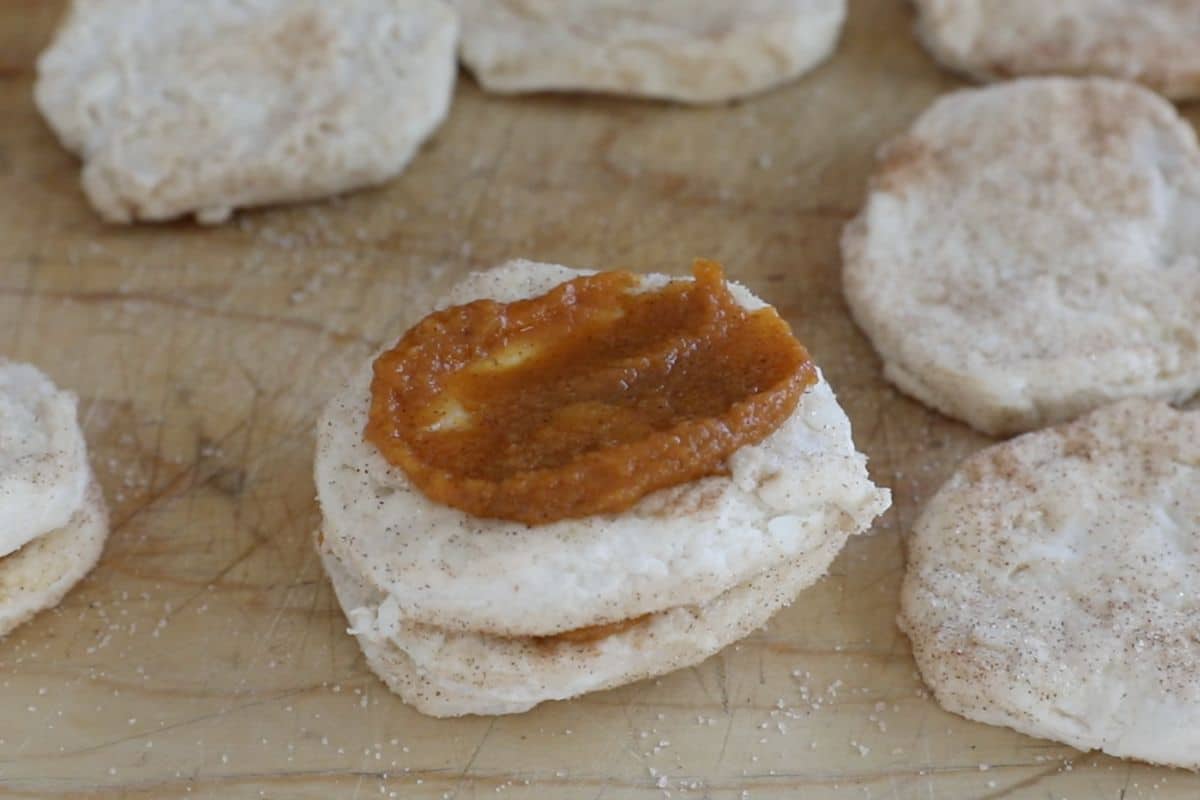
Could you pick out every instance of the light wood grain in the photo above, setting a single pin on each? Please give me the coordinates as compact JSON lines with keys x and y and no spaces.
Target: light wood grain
{"x":206,"y":657}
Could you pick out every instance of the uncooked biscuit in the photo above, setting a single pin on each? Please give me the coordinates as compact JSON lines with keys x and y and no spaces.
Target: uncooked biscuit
{"x":201,"y":106}
{"x":1031,"y":250}
{"x":693,"y":51}
{"x":40,"y":574}
{"x":1154,"y":42}
{"x":43,"y":458}
{"x":450,"y":673}
{"x":1051,"y":585}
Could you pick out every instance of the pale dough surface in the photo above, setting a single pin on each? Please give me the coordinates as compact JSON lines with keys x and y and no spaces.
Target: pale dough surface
{"x":692,"y":51}
{"x":43,"y":457}
{"x":182,"y":107}
{"x":1030,"y":251}
{"x":451,"y":673}
{"x":40,"y":574}
{"x":1153,"y":42}
{"x":1051,"y":585}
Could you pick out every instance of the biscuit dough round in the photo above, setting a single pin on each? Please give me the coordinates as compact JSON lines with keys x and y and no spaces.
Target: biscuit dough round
{"x":198,"y":107}
{"x":692,"y":51}
{"x":676,"y":547}
{"x":1030,"y":251}
{"x":43,"y":458}
{"x":1051,"y":585}
{"x":451,"y":673}
{"x":1153,"y":42}
{"x":40,"y":574}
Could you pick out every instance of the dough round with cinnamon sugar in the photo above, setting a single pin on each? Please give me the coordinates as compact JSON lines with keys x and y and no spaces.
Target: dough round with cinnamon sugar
{"x":43,"y":458}
{"x":683,"y":546}
{"x":182,"y":107}
{"x":1030,"y":251}
{"x":448,"y":673}
{"x":1051,"y":585}
{"x":692,"y":51}
{"x":1153,"y":42}
{"x":40,"y":574}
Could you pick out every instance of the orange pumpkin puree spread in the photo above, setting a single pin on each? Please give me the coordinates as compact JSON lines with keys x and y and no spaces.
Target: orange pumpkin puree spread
{"x":585,"y":399}
{"x":592,"y":633}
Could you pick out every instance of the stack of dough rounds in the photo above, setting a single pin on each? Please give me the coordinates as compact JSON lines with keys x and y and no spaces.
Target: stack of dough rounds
{"x":1052,"y":585}
{"x":463,"y":615}
{"x":692,"y":51}
{"x":201,"y":106}
{"x":52,"y":516}
{"x":1030,"y":251}
{"x":1154,"y":42}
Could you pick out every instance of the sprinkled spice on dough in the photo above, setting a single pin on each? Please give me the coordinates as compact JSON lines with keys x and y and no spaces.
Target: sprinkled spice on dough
{"x":1051,"y":585}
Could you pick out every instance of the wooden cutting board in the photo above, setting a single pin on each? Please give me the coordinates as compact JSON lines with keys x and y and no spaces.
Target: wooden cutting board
{"x":206,"y":657}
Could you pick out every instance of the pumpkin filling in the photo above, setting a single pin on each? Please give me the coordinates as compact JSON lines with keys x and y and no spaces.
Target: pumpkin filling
{"x":585,"y":399}
{"x":592,"y":633}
